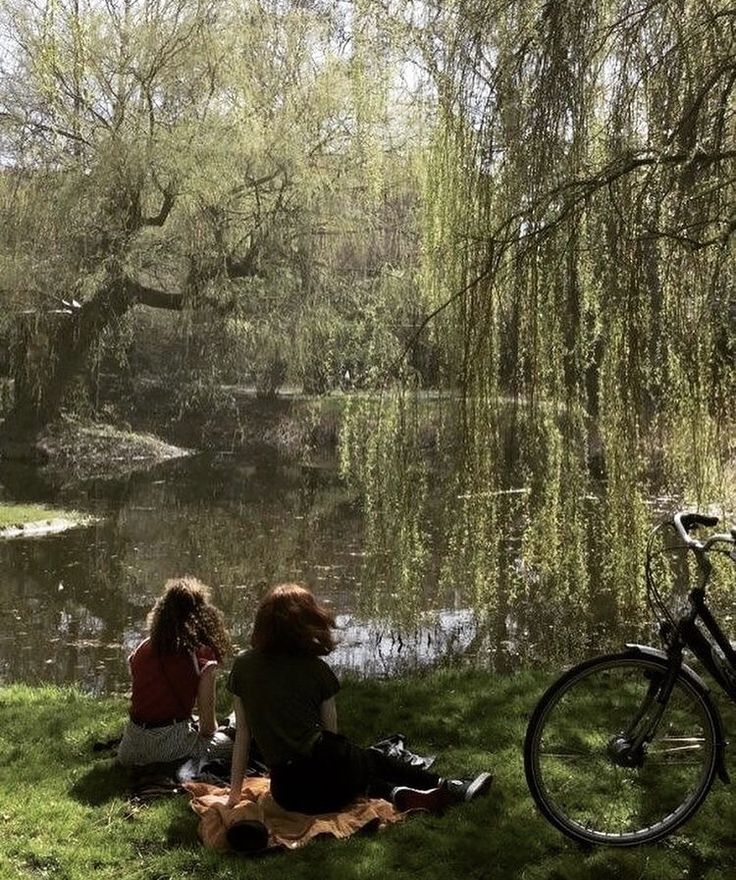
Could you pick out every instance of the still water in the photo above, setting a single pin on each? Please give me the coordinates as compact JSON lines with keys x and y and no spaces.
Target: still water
{"x":73,"y":605}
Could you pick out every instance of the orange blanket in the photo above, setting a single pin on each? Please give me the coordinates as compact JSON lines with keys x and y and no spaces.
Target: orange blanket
{"x":285,"y":828}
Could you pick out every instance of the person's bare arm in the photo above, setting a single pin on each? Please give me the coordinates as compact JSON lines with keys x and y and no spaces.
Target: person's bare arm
{"x":328,"y":715}
{"x":240,"y":752}
{"x":206,"y":702}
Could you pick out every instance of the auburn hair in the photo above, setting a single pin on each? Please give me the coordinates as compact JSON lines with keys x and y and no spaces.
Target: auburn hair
{"x":290,"y":620}
{"x":183,"y":619}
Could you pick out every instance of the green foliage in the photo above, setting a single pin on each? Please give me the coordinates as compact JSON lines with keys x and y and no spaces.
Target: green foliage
{"x":548,"y":185}
{"x":379,"y":458}
{"x":237,"y":157}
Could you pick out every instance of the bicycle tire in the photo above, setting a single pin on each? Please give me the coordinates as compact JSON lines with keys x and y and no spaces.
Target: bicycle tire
{"x":687,"y":737}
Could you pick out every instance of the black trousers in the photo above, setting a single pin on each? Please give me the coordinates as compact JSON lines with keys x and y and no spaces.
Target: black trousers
{"x":336,"y":772}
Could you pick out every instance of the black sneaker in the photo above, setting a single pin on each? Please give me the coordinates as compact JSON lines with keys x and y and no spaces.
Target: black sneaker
{"x":468,"y":789}
{"x":432,"y":800}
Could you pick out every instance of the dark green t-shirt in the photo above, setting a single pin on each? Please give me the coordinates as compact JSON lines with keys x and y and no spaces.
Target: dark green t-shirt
{"x":282,"y":695}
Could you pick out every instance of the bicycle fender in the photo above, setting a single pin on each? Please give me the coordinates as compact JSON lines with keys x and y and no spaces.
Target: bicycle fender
{"x":697,"y":682}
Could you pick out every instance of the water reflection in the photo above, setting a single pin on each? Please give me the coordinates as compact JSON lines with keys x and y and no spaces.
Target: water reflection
{"x":373,"y":648}
{"x":73,"y":605}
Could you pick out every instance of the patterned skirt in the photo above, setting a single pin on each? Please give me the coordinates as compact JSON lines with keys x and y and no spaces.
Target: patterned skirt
{"x":173,"y":742}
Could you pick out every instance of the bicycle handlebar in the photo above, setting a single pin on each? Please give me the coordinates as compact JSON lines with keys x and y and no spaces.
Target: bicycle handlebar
{"x":684,"y":522}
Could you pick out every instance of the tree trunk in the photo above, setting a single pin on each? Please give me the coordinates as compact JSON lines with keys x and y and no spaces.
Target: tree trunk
{"x":52,"y":350}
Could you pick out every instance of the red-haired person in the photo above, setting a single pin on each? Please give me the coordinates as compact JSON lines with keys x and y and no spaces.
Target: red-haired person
{"x":284,"y":698}
{"x":172,"y":671}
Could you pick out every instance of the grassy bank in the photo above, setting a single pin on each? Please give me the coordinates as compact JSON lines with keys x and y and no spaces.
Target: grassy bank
{"x":17,"y":514}
{"x":63,"y":812}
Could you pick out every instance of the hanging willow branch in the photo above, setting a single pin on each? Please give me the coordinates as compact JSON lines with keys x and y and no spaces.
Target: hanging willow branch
{"x":579,"y":265}
{"x":571,"y":194}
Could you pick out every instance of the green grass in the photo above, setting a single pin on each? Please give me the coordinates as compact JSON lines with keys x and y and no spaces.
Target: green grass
{"x":63,"y":812}
{"x":15,"y":514}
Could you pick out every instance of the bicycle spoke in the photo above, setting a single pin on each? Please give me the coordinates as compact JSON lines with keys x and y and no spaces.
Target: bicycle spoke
{"x":591,"y":770}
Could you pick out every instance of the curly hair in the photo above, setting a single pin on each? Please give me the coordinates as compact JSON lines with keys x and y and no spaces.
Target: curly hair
{"x":183,"y":618}
{"x":289,"y":620}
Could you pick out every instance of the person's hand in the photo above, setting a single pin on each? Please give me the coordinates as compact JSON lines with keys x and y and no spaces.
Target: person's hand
{"x":234,"y":798}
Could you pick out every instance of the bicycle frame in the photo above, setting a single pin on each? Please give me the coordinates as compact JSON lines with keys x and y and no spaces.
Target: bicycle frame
{"x":716,"y":654}
{"x":721,"y":666}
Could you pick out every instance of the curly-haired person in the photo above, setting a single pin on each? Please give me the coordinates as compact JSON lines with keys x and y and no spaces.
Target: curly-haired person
{"x":172,"y":671}
{"x":284,"y":697}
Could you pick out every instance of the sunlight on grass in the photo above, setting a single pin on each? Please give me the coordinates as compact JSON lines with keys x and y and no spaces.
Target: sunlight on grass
{"x":17,"y":514}
{"x":64,"y":814}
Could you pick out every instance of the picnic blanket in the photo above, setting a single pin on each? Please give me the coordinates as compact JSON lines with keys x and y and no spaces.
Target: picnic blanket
{"x":282,"y":827}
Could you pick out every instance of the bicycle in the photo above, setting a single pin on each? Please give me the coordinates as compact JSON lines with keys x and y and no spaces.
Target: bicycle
{"x":624,"y":748}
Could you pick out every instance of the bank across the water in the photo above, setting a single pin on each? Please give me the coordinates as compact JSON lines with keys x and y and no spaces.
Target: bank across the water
{"x":31,"y":520}
{"x":89,"y":449}
{"x":63,"y":811}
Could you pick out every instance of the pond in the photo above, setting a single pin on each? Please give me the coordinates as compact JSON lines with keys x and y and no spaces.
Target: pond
{"x":73,"y":605}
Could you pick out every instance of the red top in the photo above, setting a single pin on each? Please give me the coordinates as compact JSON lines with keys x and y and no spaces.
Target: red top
{"x":165,"y":686}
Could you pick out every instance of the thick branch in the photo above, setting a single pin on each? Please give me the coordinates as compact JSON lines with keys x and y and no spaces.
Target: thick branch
{"x":156,"y":299}
{"x":169,"y":198}
{"x":44,"y":128}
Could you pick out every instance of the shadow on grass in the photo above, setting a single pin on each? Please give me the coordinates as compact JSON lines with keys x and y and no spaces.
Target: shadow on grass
{"x":183,"y":828}
{"x":104,"y":781}
{"x":479,"y":712}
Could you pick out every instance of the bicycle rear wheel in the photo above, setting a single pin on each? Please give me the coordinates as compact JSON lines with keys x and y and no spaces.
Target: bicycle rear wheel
{"x":581,"y":761}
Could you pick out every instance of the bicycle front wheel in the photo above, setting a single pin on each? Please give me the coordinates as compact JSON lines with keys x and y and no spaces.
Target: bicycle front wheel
{"x":587,"y":767}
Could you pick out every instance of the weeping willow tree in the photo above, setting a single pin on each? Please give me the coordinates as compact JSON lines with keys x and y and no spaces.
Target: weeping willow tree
{"x":217,"y":160}
{"x":579,"y":239}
